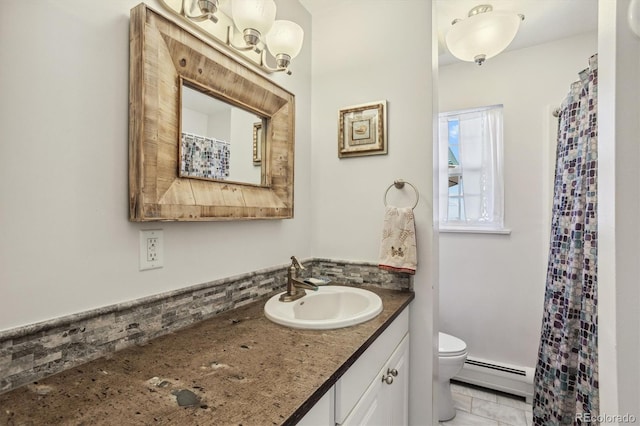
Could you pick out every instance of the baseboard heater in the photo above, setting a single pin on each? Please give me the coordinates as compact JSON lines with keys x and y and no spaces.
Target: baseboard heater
{"x":510,"y":379}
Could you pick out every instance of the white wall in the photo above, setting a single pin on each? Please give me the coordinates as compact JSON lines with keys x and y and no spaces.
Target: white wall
{"x":241,"y":165}
{"x":494,"y":302}
{"x":356,"y":60}
{"x":196,"y":122}
{"x":67,"y":245}
{"x":618,"y":212}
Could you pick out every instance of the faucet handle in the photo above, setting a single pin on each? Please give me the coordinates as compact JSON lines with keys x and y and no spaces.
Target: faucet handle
{"x":296,"y":263}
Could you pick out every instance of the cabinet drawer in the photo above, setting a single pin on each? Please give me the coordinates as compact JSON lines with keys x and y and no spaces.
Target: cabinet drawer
{"x":353,"y":384}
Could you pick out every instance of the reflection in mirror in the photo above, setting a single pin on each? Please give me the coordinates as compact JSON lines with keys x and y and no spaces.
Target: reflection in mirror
{"x":258,"y":141}
{"x":218,"y":140}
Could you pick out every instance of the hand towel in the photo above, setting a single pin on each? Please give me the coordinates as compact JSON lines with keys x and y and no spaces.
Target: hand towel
{"x":398,"y":245}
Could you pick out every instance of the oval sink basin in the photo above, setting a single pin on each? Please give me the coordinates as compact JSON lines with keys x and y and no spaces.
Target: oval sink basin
{"x":329,"y":307}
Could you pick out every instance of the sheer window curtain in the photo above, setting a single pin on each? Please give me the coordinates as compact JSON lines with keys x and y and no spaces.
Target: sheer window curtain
{"x":481,"y":162}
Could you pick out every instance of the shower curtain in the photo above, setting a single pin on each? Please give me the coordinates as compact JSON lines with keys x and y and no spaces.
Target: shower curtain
{"x":566,"y":377}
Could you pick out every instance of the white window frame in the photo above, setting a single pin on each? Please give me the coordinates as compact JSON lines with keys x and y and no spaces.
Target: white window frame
{"x":488,"y":175}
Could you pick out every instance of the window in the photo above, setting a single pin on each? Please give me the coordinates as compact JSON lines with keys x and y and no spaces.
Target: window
{"x":471,"y":175}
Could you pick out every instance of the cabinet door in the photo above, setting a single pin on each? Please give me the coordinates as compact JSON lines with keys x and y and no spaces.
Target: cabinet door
{"x":371,"y":408}
{"x":366,"y":370}
{"x":397,"y":393}
{"x":322,"y":414}
{"x":386,"y":400}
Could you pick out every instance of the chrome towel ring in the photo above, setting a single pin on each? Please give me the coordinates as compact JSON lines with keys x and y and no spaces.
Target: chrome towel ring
{"x":399,"y":184}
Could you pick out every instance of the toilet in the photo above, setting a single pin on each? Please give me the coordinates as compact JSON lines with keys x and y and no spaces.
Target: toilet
{"x":451,"y":357}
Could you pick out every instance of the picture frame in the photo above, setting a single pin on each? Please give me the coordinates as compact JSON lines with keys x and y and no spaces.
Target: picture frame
{"x":258,"y":138}
{"x":362,"y":130}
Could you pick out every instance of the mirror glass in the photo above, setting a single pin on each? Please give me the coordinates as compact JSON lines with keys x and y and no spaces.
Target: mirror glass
{"x":219,"y":141}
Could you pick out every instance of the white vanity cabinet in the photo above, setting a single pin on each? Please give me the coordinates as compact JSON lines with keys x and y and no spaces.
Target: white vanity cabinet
{"x":375,"y":389}
{"x":322,"y":413}
{"x":386,"y":400}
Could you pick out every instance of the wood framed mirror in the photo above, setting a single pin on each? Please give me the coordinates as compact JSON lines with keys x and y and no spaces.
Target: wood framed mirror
{"x":162,"y":56}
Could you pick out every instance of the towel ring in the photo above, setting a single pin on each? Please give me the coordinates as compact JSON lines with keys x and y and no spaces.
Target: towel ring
{"x":399,"y":184}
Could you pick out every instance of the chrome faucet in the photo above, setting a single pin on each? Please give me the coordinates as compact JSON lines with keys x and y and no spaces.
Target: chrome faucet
{"x":295,"y":285}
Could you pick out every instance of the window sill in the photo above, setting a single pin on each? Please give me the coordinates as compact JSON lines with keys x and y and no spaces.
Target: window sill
{"x":474,"y":230}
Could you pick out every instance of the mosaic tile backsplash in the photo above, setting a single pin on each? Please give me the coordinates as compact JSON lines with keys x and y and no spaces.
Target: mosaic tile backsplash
{"x":39,"y":350}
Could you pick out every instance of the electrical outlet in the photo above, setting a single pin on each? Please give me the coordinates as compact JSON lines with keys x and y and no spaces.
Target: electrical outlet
{"x":151,"y":249}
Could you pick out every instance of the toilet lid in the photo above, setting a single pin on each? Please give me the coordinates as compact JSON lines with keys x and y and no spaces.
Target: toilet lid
{"x":450,"y":345}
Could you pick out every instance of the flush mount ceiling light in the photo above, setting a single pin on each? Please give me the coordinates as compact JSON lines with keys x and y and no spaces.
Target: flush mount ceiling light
{"x":483,"y":34}
{"x":253,"y":19}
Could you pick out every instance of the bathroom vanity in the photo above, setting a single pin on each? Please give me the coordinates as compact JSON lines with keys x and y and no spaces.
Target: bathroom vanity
{"x":242,"y":369}
{"x":375,"y":389}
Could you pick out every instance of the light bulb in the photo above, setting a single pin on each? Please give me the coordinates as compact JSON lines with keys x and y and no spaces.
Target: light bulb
{"x":254,"y":18}
{"x":285,"y":41}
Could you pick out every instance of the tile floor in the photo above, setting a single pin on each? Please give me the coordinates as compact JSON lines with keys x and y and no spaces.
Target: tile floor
{"x":479,"y":406}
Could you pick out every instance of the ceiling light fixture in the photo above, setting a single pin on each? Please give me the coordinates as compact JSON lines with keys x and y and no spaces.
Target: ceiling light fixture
{"x":254,"y":20}
{"x":483,"y":34}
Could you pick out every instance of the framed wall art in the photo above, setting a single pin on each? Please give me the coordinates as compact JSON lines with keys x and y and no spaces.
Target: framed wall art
{"x":258,"y":137}
{"x":362,"y":130}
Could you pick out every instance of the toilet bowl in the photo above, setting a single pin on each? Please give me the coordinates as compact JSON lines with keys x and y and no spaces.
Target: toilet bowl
{"x":451,"y":357}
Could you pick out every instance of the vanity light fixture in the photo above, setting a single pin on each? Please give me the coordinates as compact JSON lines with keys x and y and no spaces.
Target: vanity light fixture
{"x":483,"y":34}
{"x":208,"y":10}
{"x":255,"y":20}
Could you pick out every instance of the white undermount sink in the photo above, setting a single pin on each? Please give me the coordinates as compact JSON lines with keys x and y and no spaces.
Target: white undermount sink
{"x":328,"y":307}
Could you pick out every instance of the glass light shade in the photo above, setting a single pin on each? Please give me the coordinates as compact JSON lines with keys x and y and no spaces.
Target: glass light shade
{"x":255,"y":14}
{"x":285,"y":38}
{"x":483,"y":34}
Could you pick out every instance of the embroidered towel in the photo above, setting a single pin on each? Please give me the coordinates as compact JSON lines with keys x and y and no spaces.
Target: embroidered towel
{"x":398,"y":245}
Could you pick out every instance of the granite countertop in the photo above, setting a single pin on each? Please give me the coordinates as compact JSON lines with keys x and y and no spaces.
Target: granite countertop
{"x":236,"y":368}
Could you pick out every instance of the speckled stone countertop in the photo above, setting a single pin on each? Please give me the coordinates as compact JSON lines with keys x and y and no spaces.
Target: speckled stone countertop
{"x":236,"y":368}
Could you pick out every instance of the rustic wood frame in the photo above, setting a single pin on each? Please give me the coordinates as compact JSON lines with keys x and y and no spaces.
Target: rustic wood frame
{"x":377,"y":133}
{"x":161,"y":52}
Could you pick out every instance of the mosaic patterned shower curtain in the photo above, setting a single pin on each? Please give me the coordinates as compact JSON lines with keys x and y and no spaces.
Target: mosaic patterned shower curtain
{"x":566,"y":378}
